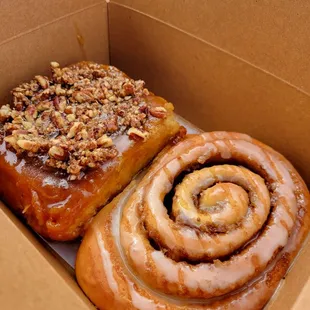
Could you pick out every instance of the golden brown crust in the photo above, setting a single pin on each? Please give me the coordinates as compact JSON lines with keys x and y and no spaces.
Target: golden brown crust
{"x":202,"y":254}
{"x":59,"y":208}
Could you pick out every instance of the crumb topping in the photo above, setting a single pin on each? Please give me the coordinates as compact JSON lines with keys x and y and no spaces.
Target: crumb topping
{"x":73,"y":116}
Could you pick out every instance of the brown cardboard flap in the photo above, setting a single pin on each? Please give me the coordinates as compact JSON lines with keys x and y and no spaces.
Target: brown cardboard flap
{"x":30,"y":277}
{"x":212,"y":89}
{"x":272,"y":35}
{"x":79,"y":36}
{"x":303,"y":298}
{"x":226,"y":65}
{"x":26,"y":16}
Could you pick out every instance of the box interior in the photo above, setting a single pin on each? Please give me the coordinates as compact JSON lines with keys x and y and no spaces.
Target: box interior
{"x":237,"y":66}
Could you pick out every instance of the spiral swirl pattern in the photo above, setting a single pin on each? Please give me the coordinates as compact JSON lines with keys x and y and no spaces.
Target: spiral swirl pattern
{"x":236,"y":207}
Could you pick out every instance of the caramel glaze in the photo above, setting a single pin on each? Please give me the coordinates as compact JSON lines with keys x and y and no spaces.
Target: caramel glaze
{"x":60,"y":209}
{"x":119,"y":267}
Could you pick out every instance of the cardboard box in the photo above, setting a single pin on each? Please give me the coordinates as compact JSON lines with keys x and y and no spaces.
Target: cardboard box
{"x":226,"y":65}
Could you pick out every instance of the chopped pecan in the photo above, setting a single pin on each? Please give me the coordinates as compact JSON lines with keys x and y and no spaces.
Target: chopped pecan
{"x":70,"y":91}
{"x":145,"y":92}
{"x":54,"y":64}
{"x":135,"y":122}
{"x":44,"y":105}
{"x":5,"y":113}
{"x":82,"y":96}
{"x":60,"y":103}
{"x":58,"y":120}
{"x":84,"y":118}
{"x":136,"y":134}
{"x":18,"y":89}
{"x":19,"y":106}
{"x":60,"y":91}
{"x":74,"y":168}
{"x":27,"y":125}
{"x":18,"y":120}
{"x":9,"y":128}
{"x":112,"y":124}
{"x":12,"y":140}
{"x":105,"y":141}
{"x":52,"y":162}
{"x":20,"y":132}
{"x":20,"y":97}
{"x":69,"y":109}
{"x":91,"y":113}
{"x":58,"y":153}
{"x":83,"y":134}
{"x":31,"y":113}
{"x":112,"y":98}
{"x":180,"y":136}
{"x":34,"y":86}
{"x":107,"y":84}
{"x":158,"y":112}
{"x":70,"y":117}
{"x":127,"y":89}
{"x":43,"y":81}
{"x":29,"y":93}
{"x":139,"y":85}
{"x":143,"y":108}
{"x":74,"y":129}
{"x":31,"y":146}
{"x":45,"y":116}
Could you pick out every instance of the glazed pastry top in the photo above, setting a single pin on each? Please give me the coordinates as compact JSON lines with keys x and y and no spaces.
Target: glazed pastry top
{"x":214,"y":224}
{"x":70,"y":120}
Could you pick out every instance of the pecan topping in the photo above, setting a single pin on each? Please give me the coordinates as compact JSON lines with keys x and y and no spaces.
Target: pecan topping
{"x":42,"y":81}
{"x":31,"y":113}
{"x":136,"y":134}
{"x":12,"y":140}
{"x":73,"y":116}
{"x":5,"y":113}
{"x":105,"y":141}
{"x":27,"y":145}
{"x":59,"y":91}
{"x":74,"y":129}
{"x":159,"y":112}
{"x":54,"y":64}
{"x":70,"y":117}
{"x":58,"y":153}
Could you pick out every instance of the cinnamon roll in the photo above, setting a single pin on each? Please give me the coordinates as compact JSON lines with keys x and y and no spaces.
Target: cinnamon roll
{"x":213,"y":224}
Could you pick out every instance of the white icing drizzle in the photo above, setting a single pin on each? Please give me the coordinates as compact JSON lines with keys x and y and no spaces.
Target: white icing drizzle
{"x":20,"y":166}
{"x":122,"y":143}
{"x":185,"y":211}
{"x":10,"y":158}
{"x":60,"y":204}
{"x":136,"y":298}
{"x":222,"y":147}
{"x":140,"y":302}
{"x":107,"y":264}
{"x":147,"y":269}
{"x":166,"y":267}
{"x":52,"y":181}
{"x":216,"y":277}
{"x":2,"y":148}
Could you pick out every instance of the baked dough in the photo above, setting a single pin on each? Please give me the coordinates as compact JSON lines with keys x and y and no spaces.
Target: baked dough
{"x":73,"y":141}
{"x":213,"y":224}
